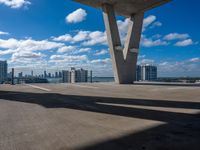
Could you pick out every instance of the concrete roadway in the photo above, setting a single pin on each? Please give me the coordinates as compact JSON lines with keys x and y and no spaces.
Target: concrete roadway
{"x":99,"y":116}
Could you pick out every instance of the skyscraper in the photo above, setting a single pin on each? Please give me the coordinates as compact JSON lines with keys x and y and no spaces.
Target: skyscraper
{"x":45,"y":74}
{"x":3,"y":71}
{"x":56,"y":75}
{"x":60,"y":74}
{"x":20,"y":75}
{"x":146,"y":73}
{"x":138,"y":73}
{"x":91,"y":76}
{"x":74,"y":75}
{"x":66,"y":76}
{"x":13,"y":76}
{"x":49,"y":75}
{"x":32,"y":73}
{"x":81,"y":75}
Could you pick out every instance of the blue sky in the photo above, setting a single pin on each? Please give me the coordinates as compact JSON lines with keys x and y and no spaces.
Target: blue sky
{"x":40,"y":34}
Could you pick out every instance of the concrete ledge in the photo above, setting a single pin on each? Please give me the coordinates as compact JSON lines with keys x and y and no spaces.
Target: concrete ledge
{"x":168,"y":84}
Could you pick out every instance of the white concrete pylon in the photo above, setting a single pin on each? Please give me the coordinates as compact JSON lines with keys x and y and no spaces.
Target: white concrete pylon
{"x":124,"y":60}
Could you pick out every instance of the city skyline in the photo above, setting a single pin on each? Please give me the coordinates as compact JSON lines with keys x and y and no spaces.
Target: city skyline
{"x":70,"y":38}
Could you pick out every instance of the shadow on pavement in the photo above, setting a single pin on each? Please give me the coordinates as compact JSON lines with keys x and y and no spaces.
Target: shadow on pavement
{"x":181,"y":131}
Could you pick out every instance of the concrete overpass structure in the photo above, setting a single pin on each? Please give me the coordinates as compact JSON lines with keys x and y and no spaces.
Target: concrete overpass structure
{"x":124,"y":58}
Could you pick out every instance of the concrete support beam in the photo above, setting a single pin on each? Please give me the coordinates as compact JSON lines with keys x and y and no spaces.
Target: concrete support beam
{"x":124,"y":60}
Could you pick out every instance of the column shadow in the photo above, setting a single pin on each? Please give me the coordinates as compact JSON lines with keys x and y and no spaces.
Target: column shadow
{"x":180,"y":131}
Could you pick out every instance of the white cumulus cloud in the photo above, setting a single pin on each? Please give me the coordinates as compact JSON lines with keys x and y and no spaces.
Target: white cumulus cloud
{"x":101,"y":61}
{"x":102,"y":52}
{"x":149,"y":42}
{"x":83,"y":50}
{"x":63,"y":38}
{"x":25,"y":55}
{"x":194,"y":59}
{"x":81,"y":36}
{"x":95,"y":37}
{"x":176,"y":36}
{"x":15,"y":3}
{"x":77,"y":16}
{"x":65,"y":49}
{"x":184,"y":43}
{"x":68,"y":59}
{"x":148,"y":21}
{"x":23,"y":51}
{"x":28,"y":44}
{"x":3,"y":33}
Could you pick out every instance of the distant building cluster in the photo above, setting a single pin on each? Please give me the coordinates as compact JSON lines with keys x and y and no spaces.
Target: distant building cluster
{"x":50,"y":75}
{"x":74,"y":75}
{"x":143,"y":73}
{"x":3,"y":71}
{"x":65,"y":76}
{"x":146,"y":73}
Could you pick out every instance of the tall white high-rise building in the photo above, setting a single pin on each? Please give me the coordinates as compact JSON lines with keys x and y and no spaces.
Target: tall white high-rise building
{"x":74,"y":75}
{"x":146,"y":73}
{"x":3,"y":71}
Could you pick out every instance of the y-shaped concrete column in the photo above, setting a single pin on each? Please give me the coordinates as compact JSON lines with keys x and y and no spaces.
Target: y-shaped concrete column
{"x":124,"y":60}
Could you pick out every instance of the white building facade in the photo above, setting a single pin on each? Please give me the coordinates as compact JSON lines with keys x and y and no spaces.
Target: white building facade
{"x":146,"y":73}
{"x":74,"y":76}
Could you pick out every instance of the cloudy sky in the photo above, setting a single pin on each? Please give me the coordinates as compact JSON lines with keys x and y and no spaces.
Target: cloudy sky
{"x":56,"y":35}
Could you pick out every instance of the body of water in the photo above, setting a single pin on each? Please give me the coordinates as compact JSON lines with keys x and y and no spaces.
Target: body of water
{"x":94,"y":79}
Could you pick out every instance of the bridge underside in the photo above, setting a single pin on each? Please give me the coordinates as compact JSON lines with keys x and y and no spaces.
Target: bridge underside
{"x":125,"y":7}
{"x":124,"y":58}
